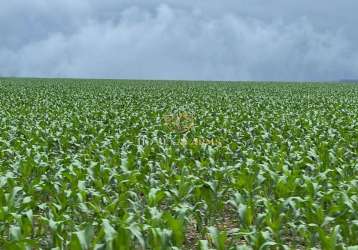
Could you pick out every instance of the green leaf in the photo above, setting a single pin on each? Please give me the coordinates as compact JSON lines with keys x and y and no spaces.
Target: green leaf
{"x":15,"y":233}
{"x":134,"y":229}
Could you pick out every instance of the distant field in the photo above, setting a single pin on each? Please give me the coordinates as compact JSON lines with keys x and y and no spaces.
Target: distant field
{"x":104,"y":164}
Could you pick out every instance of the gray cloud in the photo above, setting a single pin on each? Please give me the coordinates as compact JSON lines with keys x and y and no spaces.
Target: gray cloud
{"x":235,"y":40}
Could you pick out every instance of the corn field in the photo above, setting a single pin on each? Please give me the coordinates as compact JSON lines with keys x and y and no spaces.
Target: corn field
{"x":106,"y":164}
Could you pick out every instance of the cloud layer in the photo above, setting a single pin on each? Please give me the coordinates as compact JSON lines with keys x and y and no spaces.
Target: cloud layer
{"x":155,"y":40}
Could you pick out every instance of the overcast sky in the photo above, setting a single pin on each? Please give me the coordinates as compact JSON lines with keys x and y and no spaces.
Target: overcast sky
{"x":187,"y":39}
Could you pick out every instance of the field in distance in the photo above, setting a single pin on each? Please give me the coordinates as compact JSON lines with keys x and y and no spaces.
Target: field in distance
{"x":109,"y":164}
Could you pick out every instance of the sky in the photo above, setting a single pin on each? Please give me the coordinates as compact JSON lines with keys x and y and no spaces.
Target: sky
{"x":262,"y":40}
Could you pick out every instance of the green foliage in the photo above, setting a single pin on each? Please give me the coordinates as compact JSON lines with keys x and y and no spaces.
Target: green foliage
{"x":104,"y":164}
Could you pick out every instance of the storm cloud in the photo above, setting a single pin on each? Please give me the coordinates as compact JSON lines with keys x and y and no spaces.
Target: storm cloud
{"x":209,"y":40}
